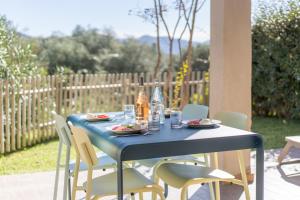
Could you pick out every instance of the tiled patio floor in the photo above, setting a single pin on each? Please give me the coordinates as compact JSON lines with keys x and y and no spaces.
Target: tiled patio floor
{"x":280,"y":183}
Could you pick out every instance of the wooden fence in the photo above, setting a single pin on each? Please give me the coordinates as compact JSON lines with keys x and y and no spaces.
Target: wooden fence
{"x":26,"y":105}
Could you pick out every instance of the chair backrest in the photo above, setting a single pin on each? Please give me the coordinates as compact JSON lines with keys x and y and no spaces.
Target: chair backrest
{"x":233,"y":119}
{"x":62,"y":129}
{"x":194,"y":111}
{"x":83,"y":146}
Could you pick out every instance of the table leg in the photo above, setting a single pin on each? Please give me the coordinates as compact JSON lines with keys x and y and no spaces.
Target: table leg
{"x":260,"y":172}
{"x":120,"y":180}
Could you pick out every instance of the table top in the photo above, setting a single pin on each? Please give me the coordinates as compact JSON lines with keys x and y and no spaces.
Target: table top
{"x":167,"y":141}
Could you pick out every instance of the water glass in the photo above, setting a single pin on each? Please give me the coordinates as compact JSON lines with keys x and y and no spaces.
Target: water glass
{"x":129,"y":112}
{"x":176,"y":118}
{"x":154,"y":121}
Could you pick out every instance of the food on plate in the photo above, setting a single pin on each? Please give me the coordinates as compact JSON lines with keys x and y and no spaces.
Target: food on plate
{"x":97,"y":117}
{"x":103,"y":116}
{"x":194,"y":122}
{"x":198,"y":122}
{"x":126,"y":127}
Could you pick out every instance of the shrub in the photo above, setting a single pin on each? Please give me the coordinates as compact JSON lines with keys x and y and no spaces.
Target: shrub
{"x":276,"y":60}
{"x":16,"y":57}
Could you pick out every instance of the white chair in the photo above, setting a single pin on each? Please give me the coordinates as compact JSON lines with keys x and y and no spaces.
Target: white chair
{"x":106,"y":185}
{"x":65,"y":139}
{"x":194,"y":111}
{"x":182,"y":176}
{"x":189,"y":112}
{"x":292,"y":141}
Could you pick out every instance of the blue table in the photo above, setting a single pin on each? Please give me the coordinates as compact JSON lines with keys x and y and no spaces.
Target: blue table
{"x":172,"y":142}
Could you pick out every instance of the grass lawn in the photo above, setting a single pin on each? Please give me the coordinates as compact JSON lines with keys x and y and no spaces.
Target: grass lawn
{"x":43,"y":157}
{"x":274,"y":130}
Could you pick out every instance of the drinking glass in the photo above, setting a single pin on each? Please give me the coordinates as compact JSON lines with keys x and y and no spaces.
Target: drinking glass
{"x":176,"y":118}
{"x":129,"y":112}
{"x":154,"y":121}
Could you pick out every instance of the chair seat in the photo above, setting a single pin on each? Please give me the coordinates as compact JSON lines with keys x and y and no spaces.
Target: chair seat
{"x":177,"y":175}
{"x":152,"y":162}
{"x":104,"y":162}
{"x":295,"y":139}
{"x":107,"y":184}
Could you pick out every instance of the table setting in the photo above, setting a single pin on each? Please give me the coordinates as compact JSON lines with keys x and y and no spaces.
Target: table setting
{"x":149,"y":130}
{"x":146,"y":118}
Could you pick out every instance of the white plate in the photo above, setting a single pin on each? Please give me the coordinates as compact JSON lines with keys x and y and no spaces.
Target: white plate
{"x":92,"y":118}
{"x":209,"y":124}
{"x":134,"y":132}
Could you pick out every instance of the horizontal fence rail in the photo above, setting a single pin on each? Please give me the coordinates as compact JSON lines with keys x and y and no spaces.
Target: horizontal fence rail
{"x":25,"y":106}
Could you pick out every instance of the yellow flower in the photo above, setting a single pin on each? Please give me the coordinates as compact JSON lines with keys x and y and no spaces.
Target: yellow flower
{"x":179,"y":82}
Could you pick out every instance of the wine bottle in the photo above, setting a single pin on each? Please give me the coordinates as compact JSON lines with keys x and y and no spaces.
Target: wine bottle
{"x":142,"y":104}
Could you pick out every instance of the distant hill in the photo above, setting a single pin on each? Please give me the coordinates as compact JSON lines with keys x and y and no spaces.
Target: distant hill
{"x":164,"y":42}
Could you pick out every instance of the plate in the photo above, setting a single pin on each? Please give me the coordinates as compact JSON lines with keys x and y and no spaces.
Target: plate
{"x":93,"y":118}
{"x":208,"y":124}
{"x":127,"y":132}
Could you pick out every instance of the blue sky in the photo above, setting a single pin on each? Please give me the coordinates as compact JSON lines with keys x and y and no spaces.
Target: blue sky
{"x":43,"y":17}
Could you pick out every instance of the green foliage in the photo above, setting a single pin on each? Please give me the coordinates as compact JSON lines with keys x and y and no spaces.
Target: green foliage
{"x":132,"y":57}
{"x":276,"y":60}
{"x":200,"y":60}
{"x":91,"y":51}
{"x":16,"y":57}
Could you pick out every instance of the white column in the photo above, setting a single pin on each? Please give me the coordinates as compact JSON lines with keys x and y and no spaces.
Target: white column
{"x":230,"y":65}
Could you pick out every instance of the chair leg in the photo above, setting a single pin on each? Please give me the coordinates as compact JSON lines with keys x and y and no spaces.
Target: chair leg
{"x":212,"y":191}
{"x":183,"y":195}
{"x":162,"y":197}
{"x":75,"y":179}
{"x":69,"y":186}
{"x":141,"y":197}
{"x":57,"y":170}
{"x":218,"y":193}
{"x":67,"y":175}
{"x":156,"y":191}
{"x":217,"y":183}
{"x":89,"y":184}
{"x":156,"y":181}
{"x":243,"y":173}
{"x":284,"y":152}
{"x":132,"y":197}
{"x":166,"y":187}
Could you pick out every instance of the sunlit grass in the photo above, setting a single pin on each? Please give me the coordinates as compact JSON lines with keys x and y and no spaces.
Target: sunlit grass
{"x":40,"y":157}
{"x":274,"y":130}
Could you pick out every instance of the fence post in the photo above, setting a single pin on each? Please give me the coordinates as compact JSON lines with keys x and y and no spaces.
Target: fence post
{"x":58,"y":94}
{"x":1,"y":119}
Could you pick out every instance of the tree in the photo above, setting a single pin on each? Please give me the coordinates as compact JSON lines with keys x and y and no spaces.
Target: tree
{"x":276,"y":60}
{"x":200,"y":56}
{"x":190,"y":19}
{"x":85,"y":50}
{"x":163,"y":8}
{"x":65,"y":51}
{"x":16,"y":57}
{"x":151,"y":15}
{"x":132,"y":57}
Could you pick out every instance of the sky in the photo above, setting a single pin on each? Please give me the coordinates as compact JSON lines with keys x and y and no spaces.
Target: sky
{"x":44,"y":17}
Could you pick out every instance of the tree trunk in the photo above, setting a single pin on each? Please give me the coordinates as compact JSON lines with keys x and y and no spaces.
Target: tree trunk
{"x":170,"y":70}
{"x":158,"y":61}
{"x":186,"y":91}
